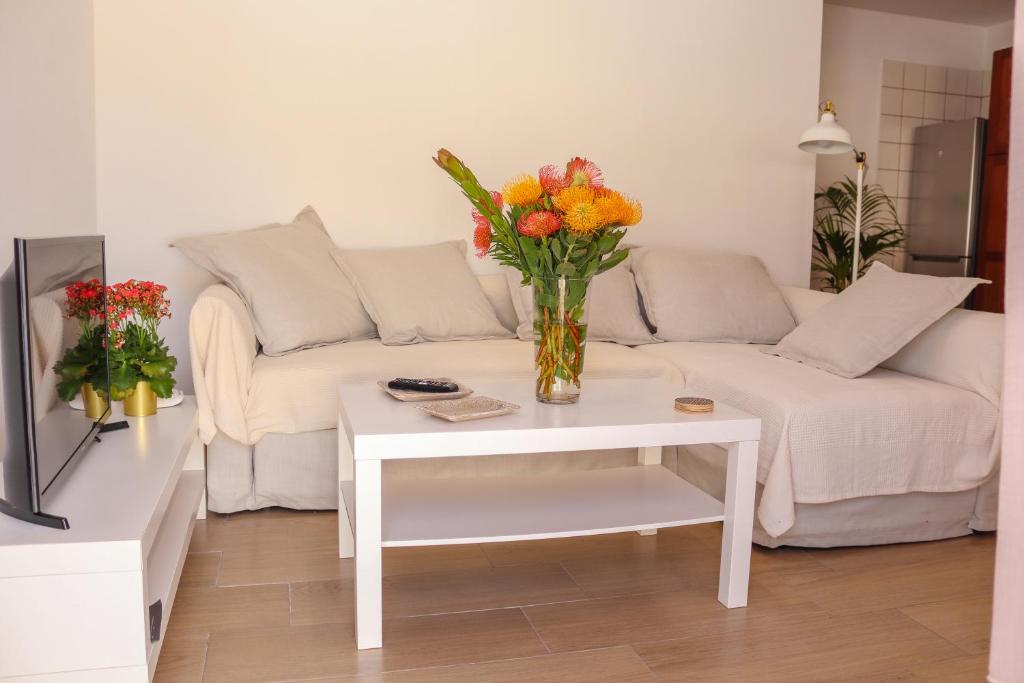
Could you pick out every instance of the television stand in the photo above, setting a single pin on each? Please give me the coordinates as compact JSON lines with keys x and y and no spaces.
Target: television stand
{"x":75,"y":605}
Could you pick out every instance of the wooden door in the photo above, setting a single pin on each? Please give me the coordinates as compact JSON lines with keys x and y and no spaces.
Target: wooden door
{"x":991,"y":263}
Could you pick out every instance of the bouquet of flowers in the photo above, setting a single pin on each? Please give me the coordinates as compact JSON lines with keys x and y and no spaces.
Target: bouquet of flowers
{"x":559,"y":229}
{"x":85,"y":362}
{"x":137,"y":352}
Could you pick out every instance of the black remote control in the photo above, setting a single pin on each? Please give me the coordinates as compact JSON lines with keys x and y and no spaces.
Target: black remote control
{"x":430,"y":386}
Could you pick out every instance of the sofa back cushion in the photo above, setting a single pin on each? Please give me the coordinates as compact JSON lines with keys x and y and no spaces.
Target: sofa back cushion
{"x":709,"y":296}
{"x":417,"y":294}
{"x":614,"y":314}
{"x":296,"y":295}
{"x":872,"y":319}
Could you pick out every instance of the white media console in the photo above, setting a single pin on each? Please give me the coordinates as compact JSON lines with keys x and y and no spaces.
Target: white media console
{"x":75,"y":605}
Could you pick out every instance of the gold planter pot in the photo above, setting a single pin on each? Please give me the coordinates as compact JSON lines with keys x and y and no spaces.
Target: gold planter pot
{"x":95,"y":404}
{"x":142,"y":402}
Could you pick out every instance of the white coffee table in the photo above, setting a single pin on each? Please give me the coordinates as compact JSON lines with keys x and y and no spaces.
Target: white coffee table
{"x":611,"y":413}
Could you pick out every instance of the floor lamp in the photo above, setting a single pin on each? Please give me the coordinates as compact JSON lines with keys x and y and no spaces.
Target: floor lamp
{"x":828,"y":137}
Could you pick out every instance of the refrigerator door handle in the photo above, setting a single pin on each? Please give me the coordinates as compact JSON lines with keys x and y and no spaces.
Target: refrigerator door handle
{"x":938,"y":259}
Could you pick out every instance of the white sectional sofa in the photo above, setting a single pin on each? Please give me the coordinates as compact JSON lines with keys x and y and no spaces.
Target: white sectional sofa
{"x":907,"y":452}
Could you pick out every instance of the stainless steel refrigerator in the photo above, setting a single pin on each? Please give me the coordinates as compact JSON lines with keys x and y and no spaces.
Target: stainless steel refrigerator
{"x":945,"y":193}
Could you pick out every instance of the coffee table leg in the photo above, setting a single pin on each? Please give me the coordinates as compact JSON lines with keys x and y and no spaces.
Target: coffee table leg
{"x":346,"y":541}
{"x":648,"y":455}
{"x":741,"y":478}
{"x":369,"y":604}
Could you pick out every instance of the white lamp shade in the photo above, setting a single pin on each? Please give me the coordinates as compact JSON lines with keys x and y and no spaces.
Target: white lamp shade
{"x":826,"y":137}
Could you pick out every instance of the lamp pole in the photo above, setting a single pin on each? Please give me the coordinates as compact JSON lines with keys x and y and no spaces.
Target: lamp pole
{"x":862,"y":162}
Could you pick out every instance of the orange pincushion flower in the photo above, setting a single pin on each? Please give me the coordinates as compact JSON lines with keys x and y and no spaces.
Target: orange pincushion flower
{"x":553,"y":179}
{"x":579,"y":171}
{"x":583,"y":217}
{"x":539,"y":223}
{"x":522,"y":190}
{"x":615,"y":209}
{"x":573,"y":195}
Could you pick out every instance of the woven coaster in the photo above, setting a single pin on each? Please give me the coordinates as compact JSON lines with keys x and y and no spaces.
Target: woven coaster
{"x":694,"y":404}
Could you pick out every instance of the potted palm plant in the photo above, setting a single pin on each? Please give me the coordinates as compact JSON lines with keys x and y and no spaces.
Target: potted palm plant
{"x":834,"y":214}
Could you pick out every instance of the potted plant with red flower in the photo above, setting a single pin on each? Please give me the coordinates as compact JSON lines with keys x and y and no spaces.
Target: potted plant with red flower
{"x":83,"y":367}
{"x":140,"y":366}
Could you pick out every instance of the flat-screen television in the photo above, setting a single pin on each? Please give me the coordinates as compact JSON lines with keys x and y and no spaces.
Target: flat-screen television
{"x":43,"y":435}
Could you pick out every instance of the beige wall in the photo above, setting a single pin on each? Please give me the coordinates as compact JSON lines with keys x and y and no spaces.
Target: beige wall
{"x":854,"y":43}
{"x":47,"y":155}
{"x":226,"y":115}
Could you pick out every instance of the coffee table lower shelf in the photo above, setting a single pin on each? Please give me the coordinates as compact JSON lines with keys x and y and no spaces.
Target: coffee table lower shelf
{"x":517,"y":508}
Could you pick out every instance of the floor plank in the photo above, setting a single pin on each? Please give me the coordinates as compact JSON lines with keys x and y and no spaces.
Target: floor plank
{"x":439,"y":592}
{"x":321,"y":650}
{"x":610,"y":665}
{"x":965,"y":622}
{"x":182,"y":658}
{"x":813,"y":648}
{"x":207,"y":610}
{"x":590,"y":624}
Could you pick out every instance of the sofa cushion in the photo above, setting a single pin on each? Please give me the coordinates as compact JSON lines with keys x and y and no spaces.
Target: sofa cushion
{"x":285,"y":274}
{"x":613,"y":302}
{"x":826,"y":438}
{"x":298,"y":392}
{"x":418,"y":294}
{"x":711,"y":296}
{"x":872,"y":319}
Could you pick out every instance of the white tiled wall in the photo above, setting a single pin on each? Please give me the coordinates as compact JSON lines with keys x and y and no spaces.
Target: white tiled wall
{"x":914,"y":95}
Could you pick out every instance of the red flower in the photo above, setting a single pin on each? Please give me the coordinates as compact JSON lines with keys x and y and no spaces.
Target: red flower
{"x":553,"y":179}
{"x":539,"y":223}
{"x":579,"y":171}
{"x":482,"y":233}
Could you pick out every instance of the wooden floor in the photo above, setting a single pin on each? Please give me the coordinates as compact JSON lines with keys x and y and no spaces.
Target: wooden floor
{"x":265,"y":598}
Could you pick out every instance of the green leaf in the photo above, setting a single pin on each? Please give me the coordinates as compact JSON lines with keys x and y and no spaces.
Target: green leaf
{"x":566,"y":269}
{"x":615,"y":259}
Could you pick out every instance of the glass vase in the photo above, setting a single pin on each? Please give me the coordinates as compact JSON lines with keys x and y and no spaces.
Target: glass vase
{"x":560,"y":329}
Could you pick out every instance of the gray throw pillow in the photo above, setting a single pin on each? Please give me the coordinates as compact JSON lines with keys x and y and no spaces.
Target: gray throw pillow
{"x":709,"y":296}
{"x":296,"y":294}
{"x":417,"y":294}
{"x":872,"y":319}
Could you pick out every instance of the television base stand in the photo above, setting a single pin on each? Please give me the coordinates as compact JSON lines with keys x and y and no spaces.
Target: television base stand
{"x":40,"y":518}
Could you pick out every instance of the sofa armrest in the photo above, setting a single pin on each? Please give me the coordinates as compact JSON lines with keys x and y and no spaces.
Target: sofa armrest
{"x":222,"y":346}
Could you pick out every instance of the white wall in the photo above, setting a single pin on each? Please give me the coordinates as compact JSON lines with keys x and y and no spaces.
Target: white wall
{"x":1006,"y":661}
{"x":47,"y":153}
{"x":854,"y":43}
{"x":226,"y":115}
{"x":998,"y":37}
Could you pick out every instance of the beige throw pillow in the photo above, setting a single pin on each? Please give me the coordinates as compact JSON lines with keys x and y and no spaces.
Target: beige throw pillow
{"x":614,"y":314}
{"x":295,"y":293}
{"x":872,"y":319}
{"x":417,"y":294}
{"x":709,"y":296}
